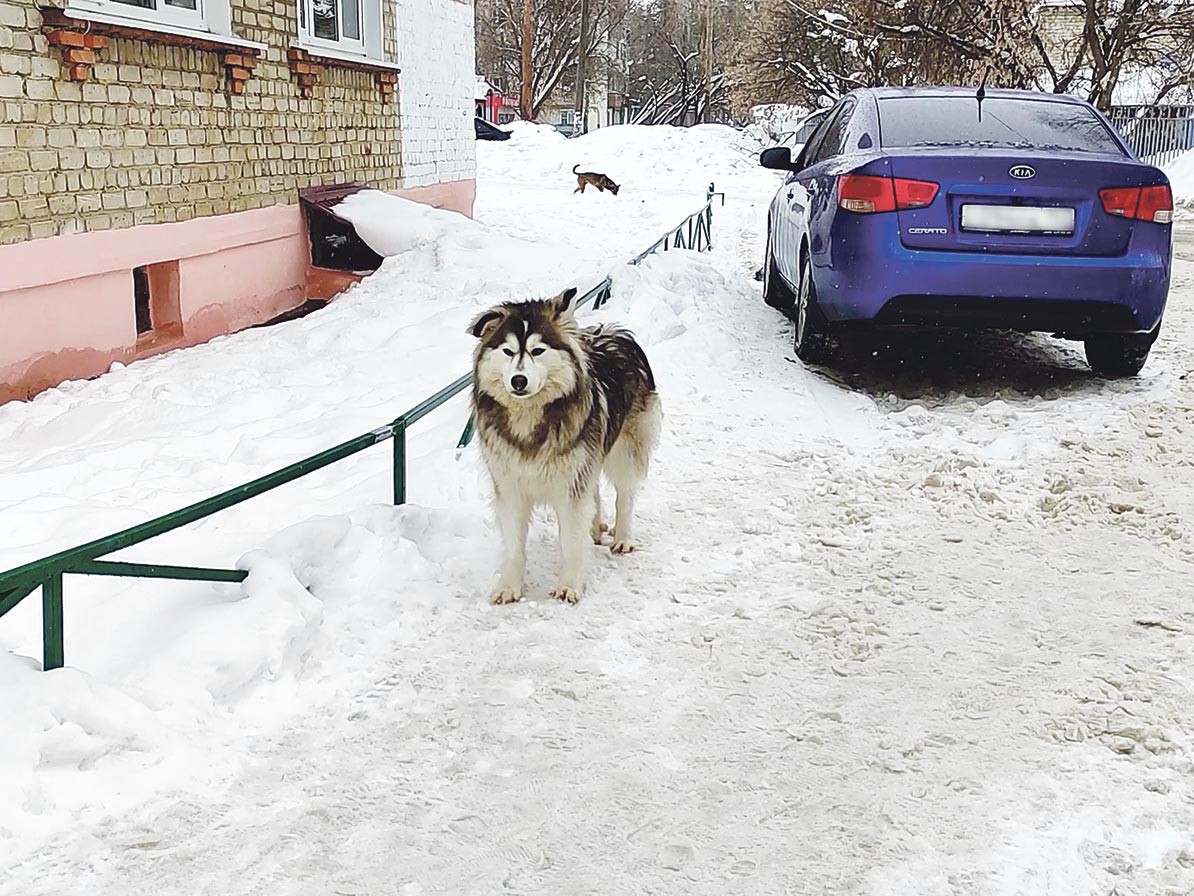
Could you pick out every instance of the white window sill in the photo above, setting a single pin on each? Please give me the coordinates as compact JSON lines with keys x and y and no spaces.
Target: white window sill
{"x":321,"y":51}
{"x":133,"y":23}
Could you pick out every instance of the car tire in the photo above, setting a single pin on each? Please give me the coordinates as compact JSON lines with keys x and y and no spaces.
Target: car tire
{"x":775,"y":291}
{"x":1119,"y":354}
{"x":810,"y":341}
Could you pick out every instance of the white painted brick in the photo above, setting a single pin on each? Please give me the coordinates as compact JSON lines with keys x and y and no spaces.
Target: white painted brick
{"x":435,"y":90}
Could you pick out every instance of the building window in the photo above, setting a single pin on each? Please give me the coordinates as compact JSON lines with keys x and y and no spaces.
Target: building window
{"x":141,"y":309}
{"x":568,"y":116}
{"x":179,"y":11}
{"x":348,"y":26}
{"x":156,"y":306}
{"x":189,"y":14}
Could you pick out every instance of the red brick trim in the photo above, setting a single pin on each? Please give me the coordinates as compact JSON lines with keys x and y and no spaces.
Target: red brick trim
{"x":305,"y":70}
{"x":79,"y":40}
{"x":78,"y":50}
{"x":239,"y":66}
{"x":306,"y":67}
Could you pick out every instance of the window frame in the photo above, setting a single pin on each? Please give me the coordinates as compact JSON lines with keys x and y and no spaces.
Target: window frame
{"x":369,"y":19}
{"x":816,"y":138}
{"x":839,"y":123}
{"x":205,"y":17}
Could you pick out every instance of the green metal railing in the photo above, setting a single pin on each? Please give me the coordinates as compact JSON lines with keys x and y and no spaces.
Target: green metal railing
{"x":694,"y":232}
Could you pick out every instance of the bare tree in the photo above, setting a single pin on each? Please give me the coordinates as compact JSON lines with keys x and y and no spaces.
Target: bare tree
{"x":555,"y":43}
{"x":526,"y":101}
{"x":799,"y":52}
{"x":681,"y":52}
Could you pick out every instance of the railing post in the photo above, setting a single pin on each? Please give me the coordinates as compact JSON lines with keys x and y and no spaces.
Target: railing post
{"x":400,"y":461}
{"x":709,"y":214}
{"x":51,"y":623}
{"x":467,"y":435}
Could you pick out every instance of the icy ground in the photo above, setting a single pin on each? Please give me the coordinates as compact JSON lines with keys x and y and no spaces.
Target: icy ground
{"x":919,"y":626}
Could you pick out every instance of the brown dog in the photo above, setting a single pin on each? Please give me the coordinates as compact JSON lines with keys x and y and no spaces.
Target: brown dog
{"x":600,"y":181}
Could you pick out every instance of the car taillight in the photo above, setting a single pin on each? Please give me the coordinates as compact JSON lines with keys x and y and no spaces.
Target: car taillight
{"x":868,"y":193}
{"x":1156,"y":204}
{"x":1139,"y":203}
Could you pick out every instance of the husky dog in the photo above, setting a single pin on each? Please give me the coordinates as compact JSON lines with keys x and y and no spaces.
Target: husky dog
{"x":587,"y":178}
{"x":555,"y":406}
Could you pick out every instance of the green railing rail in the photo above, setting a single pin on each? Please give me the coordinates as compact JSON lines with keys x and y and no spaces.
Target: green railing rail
{"x":694,"y":232}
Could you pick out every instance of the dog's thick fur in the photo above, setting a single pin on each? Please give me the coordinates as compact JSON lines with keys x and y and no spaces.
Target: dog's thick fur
{"x":556,"y":405}
{"x":600,"y":181}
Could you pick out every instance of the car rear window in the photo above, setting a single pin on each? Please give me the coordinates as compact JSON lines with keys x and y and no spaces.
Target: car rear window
{"x":1006,"y":123}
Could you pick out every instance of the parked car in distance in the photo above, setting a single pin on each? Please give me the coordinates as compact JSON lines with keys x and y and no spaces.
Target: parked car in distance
{"x":488,"y":131}
{"x":998,"y":209}
{"x":795,"y":139}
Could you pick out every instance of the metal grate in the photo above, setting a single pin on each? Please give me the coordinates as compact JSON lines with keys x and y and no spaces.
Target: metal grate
{"x":1157,"y":134}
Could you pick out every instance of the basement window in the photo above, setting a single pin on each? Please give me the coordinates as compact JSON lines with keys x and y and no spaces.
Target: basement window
{"x":141,"y":301}
{"x":156,"y":306}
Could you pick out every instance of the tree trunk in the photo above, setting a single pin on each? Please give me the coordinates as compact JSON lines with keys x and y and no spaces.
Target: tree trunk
{"x":582,"y":55}
{"x":708,"y":60}
{"x":526,"y":96}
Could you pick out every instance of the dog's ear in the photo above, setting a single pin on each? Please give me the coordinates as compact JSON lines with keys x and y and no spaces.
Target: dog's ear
{"x":563,"y":302}
{"x":485,"y":322}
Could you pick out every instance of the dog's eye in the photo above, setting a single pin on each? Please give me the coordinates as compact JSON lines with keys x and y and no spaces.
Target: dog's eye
{"x":509,"y":352}
{"x":537,"y":351}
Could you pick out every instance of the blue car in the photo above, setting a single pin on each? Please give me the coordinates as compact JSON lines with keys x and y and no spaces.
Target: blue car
{"x":997,"y":209}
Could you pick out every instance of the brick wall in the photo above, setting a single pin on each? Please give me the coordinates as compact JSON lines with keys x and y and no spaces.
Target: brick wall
{"x":436,"y":50}
{"x":155,"y":133}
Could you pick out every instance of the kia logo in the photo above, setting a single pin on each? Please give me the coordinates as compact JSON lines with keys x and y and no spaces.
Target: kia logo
{"x":1022,"y":172}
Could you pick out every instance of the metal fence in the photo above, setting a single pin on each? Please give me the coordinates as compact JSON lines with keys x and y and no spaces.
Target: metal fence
{"x":1158,"y":134}
{"x":694,"y":232}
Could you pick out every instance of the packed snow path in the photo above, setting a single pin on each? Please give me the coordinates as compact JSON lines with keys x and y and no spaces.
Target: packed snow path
{"x":918,"y":628}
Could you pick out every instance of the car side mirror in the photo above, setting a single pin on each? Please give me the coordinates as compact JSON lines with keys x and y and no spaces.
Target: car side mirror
{"x":778,"y":157}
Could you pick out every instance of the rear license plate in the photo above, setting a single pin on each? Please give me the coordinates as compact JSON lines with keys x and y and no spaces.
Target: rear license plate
{"x":1017,"y":219}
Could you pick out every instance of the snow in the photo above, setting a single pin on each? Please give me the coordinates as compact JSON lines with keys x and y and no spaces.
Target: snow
{"x":917,"y":625}
{"x":1181,"y":177}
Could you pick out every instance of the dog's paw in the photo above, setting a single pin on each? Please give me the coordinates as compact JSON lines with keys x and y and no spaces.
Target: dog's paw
{"x":566,"y":594}
{"x":506,"y":596}
{"x":622,"y":545}
{"x":597,"y":531}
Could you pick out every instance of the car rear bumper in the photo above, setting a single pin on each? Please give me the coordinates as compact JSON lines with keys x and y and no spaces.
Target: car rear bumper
{"x":869,"y":276}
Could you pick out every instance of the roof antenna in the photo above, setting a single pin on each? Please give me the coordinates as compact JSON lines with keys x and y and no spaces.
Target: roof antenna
{"x":981,"y":94}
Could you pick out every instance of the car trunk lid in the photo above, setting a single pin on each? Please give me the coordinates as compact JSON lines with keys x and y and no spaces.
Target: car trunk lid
{"x":1018,"y":203}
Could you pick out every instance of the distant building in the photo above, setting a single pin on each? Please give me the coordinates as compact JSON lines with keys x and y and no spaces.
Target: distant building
{"x":606,"y":100}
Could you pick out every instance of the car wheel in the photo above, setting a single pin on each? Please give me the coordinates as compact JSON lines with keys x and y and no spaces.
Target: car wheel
{"x":775,"y":291}
{"x":1119,"y":354}
{"x":810,"y":341}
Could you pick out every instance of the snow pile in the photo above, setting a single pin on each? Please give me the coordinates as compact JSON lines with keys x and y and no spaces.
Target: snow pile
{"x":1181,"y":176}
{"x":664,"y":174}
{"x":640,"y":158}
{"x":390,"y":225}
{"x":772,"y":121}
